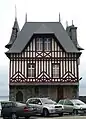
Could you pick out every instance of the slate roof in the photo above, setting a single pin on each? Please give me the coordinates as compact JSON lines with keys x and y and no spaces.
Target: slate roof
{"x":31,"y":28}
{"x":13,"y":35}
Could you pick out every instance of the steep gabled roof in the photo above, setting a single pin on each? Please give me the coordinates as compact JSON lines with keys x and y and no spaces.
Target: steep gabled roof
{"x":31,"y":28}
{"x":44,"y":29}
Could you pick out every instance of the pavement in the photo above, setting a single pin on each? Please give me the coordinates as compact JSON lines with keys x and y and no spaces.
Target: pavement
{"x":56,"y":117}
{"x":64,"y":117}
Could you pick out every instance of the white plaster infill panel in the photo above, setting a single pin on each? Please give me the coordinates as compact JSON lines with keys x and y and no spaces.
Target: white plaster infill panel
{"x":18,"y":76}
{"x":69,"y":77}
{"x":43,"y":74}
{"x":68,"y":74}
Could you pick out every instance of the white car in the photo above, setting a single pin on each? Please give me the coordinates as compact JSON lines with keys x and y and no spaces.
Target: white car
{"x":73,"y":106}
{"x":45,"y":106}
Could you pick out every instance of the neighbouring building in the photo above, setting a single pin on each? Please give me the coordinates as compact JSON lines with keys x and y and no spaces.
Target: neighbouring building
{"x":44,"y":61}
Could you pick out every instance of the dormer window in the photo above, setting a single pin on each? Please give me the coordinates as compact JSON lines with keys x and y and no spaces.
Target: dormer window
{"x":43,"y":44}
{"x":47,"y":44}
{"x":39,"y":44}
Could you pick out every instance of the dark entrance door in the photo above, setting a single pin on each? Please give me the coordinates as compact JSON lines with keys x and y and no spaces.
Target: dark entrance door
{"x":60,"y":92}
{"x":19,"y":96}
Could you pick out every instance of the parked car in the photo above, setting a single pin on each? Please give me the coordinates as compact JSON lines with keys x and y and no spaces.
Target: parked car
{"x":0,"y":109}
{"x":14,"y":110}
{"x":73,"y":106}
{"x":45,"y":106}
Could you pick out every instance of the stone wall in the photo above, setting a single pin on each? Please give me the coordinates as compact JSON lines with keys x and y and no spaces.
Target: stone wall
{"x":42,"y":91}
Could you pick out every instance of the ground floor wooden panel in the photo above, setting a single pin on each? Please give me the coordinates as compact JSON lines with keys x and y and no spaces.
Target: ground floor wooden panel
{"x":22,"y":93}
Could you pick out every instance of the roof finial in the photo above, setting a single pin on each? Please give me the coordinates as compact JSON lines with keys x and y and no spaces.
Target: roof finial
{"x":66,"y":24}
{"x":26,"y":17}
{"x":72,"y":22}
{"x":15,"y":13}
{"x":59,"y":17}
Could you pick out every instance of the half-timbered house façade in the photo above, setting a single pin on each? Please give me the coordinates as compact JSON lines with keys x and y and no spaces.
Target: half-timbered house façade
{"x":44,"y":61}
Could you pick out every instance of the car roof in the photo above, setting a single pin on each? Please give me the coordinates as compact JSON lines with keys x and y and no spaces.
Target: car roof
{"x":70,"y":99}
{"x":39,"y":98}
{"x":11,"y":102}
{"x":5,"y":101}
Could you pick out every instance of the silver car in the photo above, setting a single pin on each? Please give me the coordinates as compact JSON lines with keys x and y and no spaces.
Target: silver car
{"x":73,"y":106}
{"x":45,"y":106}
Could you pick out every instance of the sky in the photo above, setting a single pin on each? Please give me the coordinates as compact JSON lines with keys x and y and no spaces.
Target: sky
{"x":41,"y":10}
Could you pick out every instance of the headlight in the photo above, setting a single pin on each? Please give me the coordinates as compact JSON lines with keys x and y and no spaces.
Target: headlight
{"x":51,"y":107}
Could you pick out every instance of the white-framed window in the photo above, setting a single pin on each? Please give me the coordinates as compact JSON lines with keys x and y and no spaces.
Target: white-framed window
{"x":43,"y":43}
{"x":31,"y":70}
{"x":39,"y":44}
{"x":47,"y":44}
{"x":55,"y":70}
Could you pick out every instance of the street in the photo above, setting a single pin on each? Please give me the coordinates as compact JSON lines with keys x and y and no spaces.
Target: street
{"x":64,"y":117}
{"x":56,"y":117}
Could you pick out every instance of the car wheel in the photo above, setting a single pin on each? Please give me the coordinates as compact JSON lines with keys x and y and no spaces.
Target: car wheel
{"x":60,"y":114}
{"x":45,"y":113}
{"x":27,"y":117}
{"x":70,"y":113}
{"x":13,"y":116}
{"x":4,"y":117}
{"x":75,"y":112}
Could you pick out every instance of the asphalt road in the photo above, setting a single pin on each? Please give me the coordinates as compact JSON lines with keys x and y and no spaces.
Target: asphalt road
{"x":64,"y":117}
{"x":56,"y":117}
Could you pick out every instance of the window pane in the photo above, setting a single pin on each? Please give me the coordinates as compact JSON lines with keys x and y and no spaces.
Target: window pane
{"x":39,"y":44}
{"x":31,"y":70}
{"x":33,"y":73}
{"x":55,"y":70}
{"x":47,"y":44}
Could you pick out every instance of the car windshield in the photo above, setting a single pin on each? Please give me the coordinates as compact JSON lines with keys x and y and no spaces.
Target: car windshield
{"x":61,"y":102}
{"x":78,"y":102}
{"x":47,"y":101}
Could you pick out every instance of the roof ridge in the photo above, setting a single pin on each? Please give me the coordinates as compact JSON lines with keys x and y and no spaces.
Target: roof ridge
{"x":43,"y":28}
{"x":42,"y":22}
